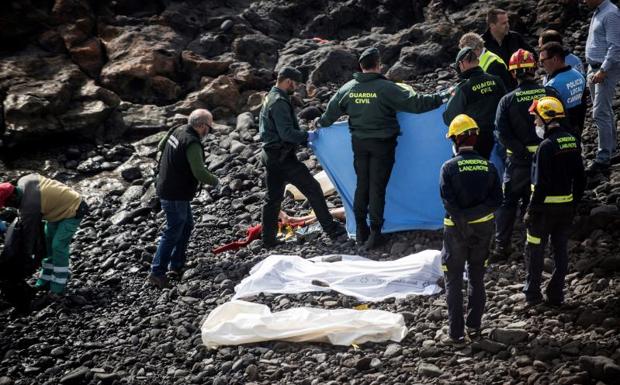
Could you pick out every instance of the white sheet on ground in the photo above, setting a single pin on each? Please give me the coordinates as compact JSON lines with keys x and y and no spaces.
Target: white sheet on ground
{"x":241,"y":322}
{"x":355,"y":276}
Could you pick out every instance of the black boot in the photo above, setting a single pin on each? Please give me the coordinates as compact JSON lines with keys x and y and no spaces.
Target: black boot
{"x":361,"y":232}
{"x":375,"y":239}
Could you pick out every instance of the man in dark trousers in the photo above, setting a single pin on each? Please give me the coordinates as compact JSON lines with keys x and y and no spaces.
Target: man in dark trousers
{"x":498,"y":37}
{"x":181,"y":171}
{"x":371,"y":102}
{"x":280,"y":134}
{"x":515,"y":126}
{"x":558,"y":183}
{"x":471,"y":192}
{"x":477,"y":96}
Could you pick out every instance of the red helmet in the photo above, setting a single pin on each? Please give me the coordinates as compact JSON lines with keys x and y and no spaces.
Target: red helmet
{"x":521,"y":59}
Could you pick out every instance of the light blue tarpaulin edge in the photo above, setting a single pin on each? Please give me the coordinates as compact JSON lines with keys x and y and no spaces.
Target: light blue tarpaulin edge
{"x":412,"y":196}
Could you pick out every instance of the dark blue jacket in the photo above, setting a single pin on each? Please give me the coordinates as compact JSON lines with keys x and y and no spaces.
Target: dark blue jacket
{"x":469,"y":187}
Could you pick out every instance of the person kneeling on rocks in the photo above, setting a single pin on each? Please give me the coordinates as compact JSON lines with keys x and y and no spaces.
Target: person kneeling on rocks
{"x":280,"y":134}
{"x":470,"y":191}
{"x":181,"y":170}
{"x":42,"y":199}
{"x":558,"y":183}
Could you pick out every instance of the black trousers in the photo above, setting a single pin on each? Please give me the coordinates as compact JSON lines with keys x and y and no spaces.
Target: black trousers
{"x":551,"y":223}
{"x":373,"y":160}
{"x":281,"y":170}
{"x":517,"y":186}
{"x":473,"y":249}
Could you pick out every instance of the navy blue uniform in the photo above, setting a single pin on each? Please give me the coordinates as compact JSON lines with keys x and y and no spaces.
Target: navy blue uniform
{"x":558,"y":182}
{"x":517,"y":132}
{"x":471,"y":192}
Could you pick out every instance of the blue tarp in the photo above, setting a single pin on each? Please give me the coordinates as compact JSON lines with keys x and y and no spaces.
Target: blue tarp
{"x":412,"y":197}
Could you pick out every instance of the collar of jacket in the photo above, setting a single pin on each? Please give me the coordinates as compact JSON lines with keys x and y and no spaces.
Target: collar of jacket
{"x":557,"y":72}
{"x":471,"y":72}
{"x":280,"y":92}
{"x":554,"y":129}
{"x":367,"y":76}
{"x":467,"y":151}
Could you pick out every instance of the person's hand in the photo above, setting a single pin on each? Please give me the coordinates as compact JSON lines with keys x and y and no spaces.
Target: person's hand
{"x":312,"y":136}
{"x":2,"y":227}
{"x":446,"y":94}
{"x":316,"y":123}
{"x":599,"y":77}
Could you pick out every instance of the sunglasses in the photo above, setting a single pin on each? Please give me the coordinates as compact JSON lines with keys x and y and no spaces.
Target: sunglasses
{"x":542,"y":61}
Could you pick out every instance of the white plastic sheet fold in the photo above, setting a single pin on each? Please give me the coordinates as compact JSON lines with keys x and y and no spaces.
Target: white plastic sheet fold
{"x":241,"y":322}
{"x":355,"y":276}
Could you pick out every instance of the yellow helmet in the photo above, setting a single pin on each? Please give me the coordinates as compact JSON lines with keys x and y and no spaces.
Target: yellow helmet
{"x":461,"y":124}
{"x":548,"y":108}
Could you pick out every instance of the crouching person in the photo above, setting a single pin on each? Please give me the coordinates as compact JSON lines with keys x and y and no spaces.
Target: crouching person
{"x":37,"y":199}
{"x":470,"y":191}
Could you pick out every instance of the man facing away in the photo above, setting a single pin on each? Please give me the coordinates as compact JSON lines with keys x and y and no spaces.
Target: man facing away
{"x":477,"y":96}
{"x":558,"y":183}
{"x":371,"y":102}
{"x":471,"y":192}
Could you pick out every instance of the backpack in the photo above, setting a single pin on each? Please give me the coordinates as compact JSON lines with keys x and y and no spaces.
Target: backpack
{"x":14,"y":263}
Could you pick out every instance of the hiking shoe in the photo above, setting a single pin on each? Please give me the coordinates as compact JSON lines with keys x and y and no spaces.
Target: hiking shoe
{"x":361,"y":233}
{"x":158,"y":281}
{"x":458,"y":342}
{"x":176,"y":274}
{"x":272,"y":243}
{"x":597,"y":168}
{"x":375,"y":239}
{"x":337,"y":231}
{"x":500,"y":254}
{"x":474,"y":333}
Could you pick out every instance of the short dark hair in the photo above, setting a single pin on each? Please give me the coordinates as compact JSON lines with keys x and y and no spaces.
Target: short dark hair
{"x":370,"y":61}
{"x":493,"y":14}
{"x":554,"y":49}
{"x":551,"y":35}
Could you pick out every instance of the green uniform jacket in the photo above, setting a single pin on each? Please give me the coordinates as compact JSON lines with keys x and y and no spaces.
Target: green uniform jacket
{"x":371,"y":102}
{"x":278,"y":126}
{"x":477,"y":95}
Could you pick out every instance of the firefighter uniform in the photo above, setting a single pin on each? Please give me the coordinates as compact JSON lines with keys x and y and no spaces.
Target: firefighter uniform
{"x":516,"y":131}
{"x":280,"y":134}
{"x":371,"y":102}
{"x":477,"y":96}
{"x":558,"y":183}
{"x":470,"y":191}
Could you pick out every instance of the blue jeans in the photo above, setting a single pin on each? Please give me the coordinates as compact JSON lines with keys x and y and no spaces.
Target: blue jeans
{"x":174,"y":238}
{"x":603,"y":113}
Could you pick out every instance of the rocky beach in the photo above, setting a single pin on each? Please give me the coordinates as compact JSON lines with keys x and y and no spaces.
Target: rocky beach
{"x":88,"y":88}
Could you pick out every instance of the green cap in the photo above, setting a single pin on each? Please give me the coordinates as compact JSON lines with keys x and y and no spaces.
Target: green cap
{"x":290,"y":73}
{"x":369,"y":52}
{"x":463,"y":53}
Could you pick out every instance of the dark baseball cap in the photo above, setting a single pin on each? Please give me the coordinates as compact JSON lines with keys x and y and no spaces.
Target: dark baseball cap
{"x":369,"y":52}
{"x":290,"y":73}
{"x":463,"y":53}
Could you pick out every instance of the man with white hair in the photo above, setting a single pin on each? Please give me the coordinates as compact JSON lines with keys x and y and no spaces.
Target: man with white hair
{"x":181,"y":171}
